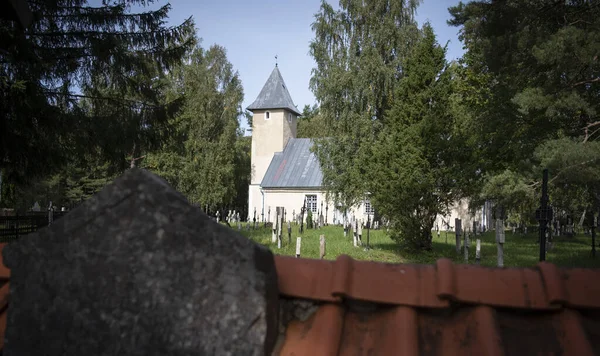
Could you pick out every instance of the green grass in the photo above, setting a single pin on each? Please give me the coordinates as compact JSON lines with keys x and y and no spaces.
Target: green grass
{"x":519,"y":250}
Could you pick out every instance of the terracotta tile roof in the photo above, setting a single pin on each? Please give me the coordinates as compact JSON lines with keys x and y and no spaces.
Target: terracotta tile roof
{"x":370,"y":308}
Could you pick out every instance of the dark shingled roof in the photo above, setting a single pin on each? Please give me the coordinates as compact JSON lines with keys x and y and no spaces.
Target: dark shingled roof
{"x":295,"y":167}
{"x":274,"y":95}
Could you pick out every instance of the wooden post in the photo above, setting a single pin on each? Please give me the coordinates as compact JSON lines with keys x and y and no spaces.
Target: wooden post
{"x":322,"y":246}
{"x":458,"y":229}
{"x":594,"y":236}
{"x":279,"y":227}
{"x":50,"y":214}
{"x":544,"y":215}
{"x":478,"y":252}
{"x":500,"y":240}
{"x":289,"y":233}
{"x":17,"y":225}
{"x":359,"y":232}
{"x":466,"y":247}
{"x":368,"y":229}
{"x":298,"y":246}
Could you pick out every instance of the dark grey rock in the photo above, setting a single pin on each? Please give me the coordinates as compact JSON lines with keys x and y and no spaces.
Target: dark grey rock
{"x":137,"y":270}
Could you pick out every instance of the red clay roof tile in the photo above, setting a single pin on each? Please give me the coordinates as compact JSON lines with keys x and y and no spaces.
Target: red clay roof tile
{"x":442,"y":309}
{"x":371,"y":308}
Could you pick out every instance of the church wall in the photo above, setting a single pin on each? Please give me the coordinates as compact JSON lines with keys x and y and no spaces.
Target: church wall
{"x":292,"y":200}
{"x":459,"y":210}
{"x":254,"y":201}
{"x":267,"y":139}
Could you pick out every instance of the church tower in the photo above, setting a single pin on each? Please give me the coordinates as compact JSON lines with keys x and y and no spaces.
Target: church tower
{"x":274,"y":122}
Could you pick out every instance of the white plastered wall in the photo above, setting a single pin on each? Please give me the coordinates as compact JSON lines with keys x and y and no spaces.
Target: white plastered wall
{"x":459,"y":210}
{"x":293,"y":200}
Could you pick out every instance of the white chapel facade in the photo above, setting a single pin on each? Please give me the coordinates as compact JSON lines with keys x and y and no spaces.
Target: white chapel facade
{"x":285,"y":173}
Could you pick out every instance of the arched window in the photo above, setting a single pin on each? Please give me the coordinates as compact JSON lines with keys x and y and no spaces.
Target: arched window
{"x":267,"y":115}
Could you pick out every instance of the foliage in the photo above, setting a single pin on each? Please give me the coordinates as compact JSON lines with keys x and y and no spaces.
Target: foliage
{"x":311,"y":124}
{"x":359,"y":50}
{"x":309,"y":219}
{"x":81,"y":81}
{"x":206,"y":158}
{"x":416,"y":154}
{"x":533,"y":74}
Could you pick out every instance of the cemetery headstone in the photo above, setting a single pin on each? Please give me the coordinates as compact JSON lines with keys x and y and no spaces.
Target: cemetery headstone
{"x":133,"y":286}
{"x":478,"y":251}
{"x":36,"y":207}
{"x":321,"y":246}
{"x":289,"y":228}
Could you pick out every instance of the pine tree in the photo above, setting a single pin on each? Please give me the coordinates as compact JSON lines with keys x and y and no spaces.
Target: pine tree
{"x":539,"y":62}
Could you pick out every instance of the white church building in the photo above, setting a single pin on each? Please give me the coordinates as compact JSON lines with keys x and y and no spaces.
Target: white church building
{"x":285,"y":173}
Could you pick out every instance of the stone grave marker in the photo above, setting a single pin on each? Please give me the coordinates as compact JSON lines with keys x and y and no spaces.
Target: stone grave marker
{"x":137,"y":270}
{"x":478,"y":251}
{"x":322,"y":246}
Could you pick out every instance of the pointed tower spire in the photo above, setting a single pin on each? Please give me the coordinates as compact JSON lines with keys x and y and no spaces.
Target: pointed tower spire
{"x":274,"y":95}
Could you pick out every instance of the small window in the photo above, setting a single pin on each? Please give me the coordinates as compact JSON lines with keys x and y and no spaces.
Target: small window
{"x":267,"y":115}
{"x":311,"y":203}
{"x":369,"y":210}
{"x":290,"y":117}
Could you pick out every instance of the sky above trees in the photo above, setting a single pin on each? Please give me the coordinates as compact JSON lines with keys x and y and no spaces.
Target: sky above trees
{"x":253,"y":32}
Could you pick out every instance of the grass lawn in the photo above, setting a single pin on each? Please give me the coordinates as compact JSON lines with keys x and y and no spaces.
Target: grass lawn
{"x":519,"y":250}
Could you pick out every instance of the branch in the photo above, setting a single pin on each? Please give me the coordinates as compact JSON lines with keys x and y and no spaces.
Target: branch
{"x":590,"y":135}
{"x":102,"y":98}
{"x":587,"y":135}
{"x":571,"y":166}
{"x":586,"y":82}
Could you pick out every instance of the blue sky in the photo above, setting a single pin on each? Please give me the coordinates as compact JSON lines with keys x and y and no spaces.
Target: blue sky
{"x":254,"y":31}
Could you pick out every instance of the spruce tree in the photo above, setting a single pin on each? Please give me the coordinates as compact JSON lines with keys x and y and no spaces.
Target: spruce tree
{"x":74,"y":51}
